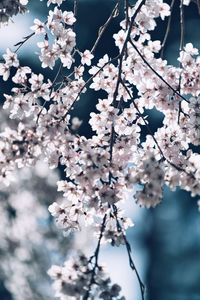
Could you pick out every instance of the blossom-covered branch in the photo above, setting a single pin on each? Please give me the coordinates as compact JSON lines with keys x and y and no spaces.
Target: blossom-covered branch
{"x":101,"y":170}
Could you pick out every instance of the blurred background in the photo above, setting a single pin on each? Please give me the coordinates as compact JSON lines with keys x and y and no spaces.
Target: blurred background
{"x":165,"y":241}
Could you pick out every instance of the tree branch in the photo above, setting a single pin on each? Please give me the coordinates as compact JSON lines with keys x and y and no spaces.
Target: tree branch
{"x":103,"y":28}
{"x":95,"y":256}
{"x":155,"y":72}
{"x":167,"y":30}
{"x":128,"y":248}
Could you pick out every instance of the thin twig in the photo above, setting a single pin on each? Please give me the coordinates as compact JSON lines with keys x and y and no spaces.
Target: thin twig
{"x":51,"y":90}
{"x":103,"y":28}
{"x":128,"y":248}
{"x":26,"y":38}
{"x":86,"y":83}
{"x":95,"y":256}
{"x":126,"y":6}
{"x":118,"y":56}
{"x":155,"y":72}
{"x":92,"y":51}
{"x":99,"y":36}
{"x":120,"y":70}
{"x":167,"y":30}
{"x":181,"y":49}
{"x":182,"y":25}
{"x":124,"y":48}
{"x":152,"y":135}
{"x":75,"y":13}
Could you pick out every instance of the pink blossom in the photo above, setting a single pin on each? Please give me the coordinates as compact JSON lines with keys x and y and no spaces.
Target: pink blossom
{"x":86,"y":57}
{"x":39,"y":27}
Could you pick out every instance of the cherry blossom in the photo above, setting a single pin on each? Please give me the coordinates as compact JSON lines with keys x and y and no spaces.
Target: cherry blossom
{"x":100,"y":171}
{"x":11,"y":58}
{"x":4,"y":71}
{"x":73,"y":278}
{"x":68,"y":17}
{"x":86,"y":57}
{"x":58,"y":2}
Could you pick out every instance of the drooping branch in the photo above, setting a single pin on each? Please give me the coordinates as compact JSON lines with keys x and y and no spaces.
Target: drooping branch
{"x":75,"y":13}
{"x":128,"y":248}
{"x":95,"y":257}
{"x":103,"y":27}
{"x":152,"y":135}
{"x":86,"y":83}
{"x":167,"y":30}
{"x":25,"y":39}
{"x":155,"y":72}
{"x":122,"y":53}
{"x":181,"y":49}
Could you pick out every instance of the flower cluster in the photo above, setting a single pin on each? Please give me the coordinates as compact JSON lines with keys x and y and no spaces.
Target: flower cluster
{"x":101,"y":170}
{"x":58,"y":23}
{"x":150,"y":173}
{"x":73,"y":279}
{"x":115,"y":229}
{"x":194,"y":120}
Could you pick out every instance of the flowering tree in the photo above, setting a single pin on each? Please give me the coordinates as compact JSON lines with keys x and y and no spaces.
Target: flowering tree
{"x":99,"y":171}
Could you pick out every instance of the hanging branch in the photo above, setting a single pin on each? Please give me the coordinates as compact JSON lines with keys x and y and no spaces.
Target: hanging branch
{"x":167,"y":30}
{"x":181,"y":49}
{"x":95,"y":257}
{"x":126,"y":6}
{"x":152,"y":135}
{"x":86,"y":83}
{"x":128,"y":248}
{"x":155,"y":72}
{"x":26,"y":38}
{"x":103,"y":27}
{"x":94,"y":47}
{"x":122,"y":53}
{"x":51,"y":90}
{"x":61,"y":64}
{"x":75,"y":13}
{"x":119,"y":80}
